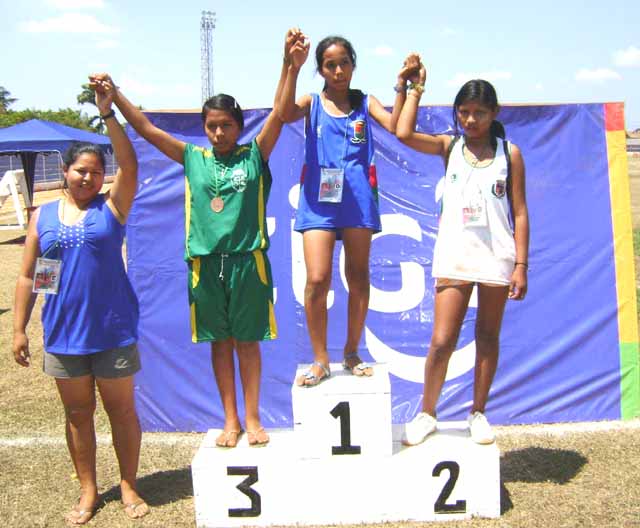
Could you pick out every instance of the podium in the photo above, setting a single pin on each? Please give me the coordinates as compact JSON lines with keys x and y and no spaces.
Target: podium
{"x":343,"y":463}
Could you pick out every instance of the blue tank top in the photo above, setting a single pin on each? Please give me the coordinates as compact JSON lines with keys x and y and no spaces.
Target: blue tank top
{"x":343,"y":142}
{"x":96,"y":308}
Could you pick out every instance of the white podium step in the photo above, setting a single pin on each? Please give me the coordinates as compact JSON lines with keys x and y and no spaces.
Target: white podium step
{"x":344,"y":415}
{"x":447,"y":477}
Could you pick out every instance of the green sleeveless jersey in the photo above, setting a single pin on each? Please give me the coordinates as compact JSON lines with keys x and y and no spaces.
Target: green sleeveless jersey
{"x":242,"y":180}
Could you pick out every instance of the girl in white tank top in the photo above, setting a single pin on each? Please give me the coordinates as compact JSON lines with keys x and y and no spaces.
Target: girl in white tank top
{"x":484,"y":188}
{"x":475,"y":241}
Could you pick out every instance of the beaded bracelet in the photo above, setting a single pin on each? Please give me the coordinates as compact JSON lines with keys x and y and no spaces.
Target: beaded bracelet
{"x":417,"y":87}
{"x":526,"y":266}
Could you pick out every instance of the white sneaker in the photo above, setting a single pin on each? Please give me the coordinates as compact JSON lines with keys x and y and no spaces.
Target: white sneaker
{"x":480,"y":429}
{"x":417,"y":430}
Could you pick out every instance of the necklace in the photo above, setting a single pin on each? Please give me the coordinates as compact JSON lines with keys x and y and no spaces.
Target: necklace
{"x":77,"y":216}
{"x":473,"y":164}
{"x":217,"y":203}
{"x":468,"y":153}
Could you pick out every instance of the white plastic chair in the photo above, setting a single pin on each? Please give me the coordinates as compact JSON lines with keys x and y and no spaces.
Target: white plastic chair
{"x":9,"y":187}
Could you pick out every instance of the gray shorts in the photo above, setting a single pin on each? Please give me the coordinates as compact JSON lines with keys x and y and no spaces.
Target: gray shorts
{"x":113,"y":363}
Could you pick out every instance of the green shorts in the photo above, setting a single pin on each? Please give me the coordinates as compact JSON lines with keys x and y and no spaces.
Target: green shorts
{"x":231,"y":296}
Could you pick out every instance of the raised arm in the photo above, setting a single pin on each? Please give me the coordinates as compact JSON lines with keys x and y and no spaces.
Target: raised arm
{"x":289,"y":109}
{"x":24,"y":296}
{"x":520,"y":213}
{"x":406,"y":128}
{"x":166,"y":143}
{"x":388,"y":120}
{"x":120,"y":196}
{"x":268,"y":136}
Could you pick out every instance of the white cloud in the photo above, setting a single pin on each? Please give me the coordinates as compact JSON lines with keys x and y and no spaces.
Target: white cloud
{"x":68,"y":23}
{"x":131,"y":85}
{"x":597,"y":75}
{"x":539,"y":87}
{"x":107,"y":44}
{"x":627,"y":58}
{"x":448,"y":31}
{"x":75,"y":4}
{"x":460,"y":78}
{"x":383,"y":51}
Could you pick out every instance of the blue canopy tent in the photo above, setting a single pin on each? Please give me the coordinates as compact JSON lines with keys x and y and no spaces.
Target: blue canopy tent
{"x":31,"y":137}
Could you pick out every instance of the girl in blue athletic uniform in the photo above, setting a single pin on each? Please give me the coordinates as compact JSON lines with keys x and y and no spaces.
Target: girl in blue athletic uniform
{"x":73,"y":253}
{"x":338,"y":189}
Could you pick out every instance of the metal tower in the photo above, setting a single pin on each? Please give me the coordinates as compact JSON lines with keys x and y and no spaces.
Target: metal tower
{"x":207,"y":25}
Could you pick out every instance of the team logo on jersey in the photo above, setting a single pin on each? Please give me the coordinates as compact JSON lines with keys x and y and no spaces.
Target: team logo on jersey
{"x":499,"y":188}
{"x":239,"y":180}
{"x":454,"y":177}
{"x":359,"y":132}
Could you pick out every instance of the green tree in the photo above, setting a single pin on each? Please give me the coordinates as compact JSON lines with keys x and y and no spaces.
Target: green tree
{"x":64,"y":116}
{"x":5,"y":100}
{"x":88,"y":96}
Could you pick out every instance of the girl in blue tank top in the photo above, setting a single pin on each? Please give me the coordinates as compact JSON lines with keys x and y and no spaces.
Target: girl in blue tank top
{"x":73,"y":254}
{"x":338,"y":189}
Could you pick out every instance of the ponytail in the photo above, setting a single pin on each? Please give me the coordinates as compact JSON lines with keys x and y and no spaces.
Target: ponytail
{"x":496,"y":131}
{"x":355,"y":98}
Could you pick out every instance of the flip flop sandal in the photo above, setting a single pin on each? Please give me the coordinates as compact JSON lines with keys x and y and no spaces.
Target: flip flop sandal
{"x":360,"y":367}
{"x":258,"y":438}
{"x":309,"y":379}
{"x":78,"y":517}
{"x":131,"y":509}
{"x":228,"y":438}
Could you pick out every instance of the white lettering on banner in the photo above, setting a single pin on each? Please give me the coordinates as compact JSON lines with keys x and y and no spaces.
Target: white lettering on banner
{"x":271,"y":229}
{"x":411,"y":368}
{"x":412,"y":290}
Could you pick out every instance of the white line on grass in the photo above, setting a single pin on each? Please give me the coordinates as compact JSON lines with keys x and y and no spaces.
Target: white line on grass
{"x":195,"y":439}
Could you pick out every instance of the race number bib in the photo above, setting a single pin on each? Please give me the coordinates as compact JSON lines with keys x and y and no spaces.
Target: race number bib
{"x":331,"y":182}
{"x":46,"y":277}
{"x":474,"y":212}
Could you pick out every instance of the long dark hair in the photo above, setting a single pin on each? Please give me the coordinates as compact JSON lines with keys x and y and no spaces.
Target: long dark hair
{"x":482,"y":92}
{"x":227,"y":104}
{"x":355,"y":96}
{"x":77,"y":149}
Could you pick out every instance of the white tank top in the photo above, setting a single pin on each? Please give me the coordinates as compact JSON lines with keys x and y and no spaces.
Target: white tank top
{"x":475,"y":241}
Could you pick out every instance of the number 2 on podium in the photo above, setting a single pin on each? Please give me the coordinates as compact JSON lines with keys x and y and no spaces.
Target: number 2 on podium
{"x":441,"y":505}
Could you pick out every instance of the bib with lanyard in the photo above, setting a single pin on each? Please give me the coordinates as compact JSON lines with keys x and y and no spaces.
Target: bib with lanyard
{"x":332,"y":178}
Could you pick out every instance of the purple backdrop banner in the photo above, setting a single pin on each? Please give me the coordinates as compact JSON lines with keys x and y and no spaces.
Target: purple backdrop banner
{"x":560,"y":353}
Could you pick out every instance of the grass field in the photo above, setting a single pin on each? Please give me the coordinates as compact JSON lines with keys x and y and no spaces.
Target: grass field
{"x":551,"y":477}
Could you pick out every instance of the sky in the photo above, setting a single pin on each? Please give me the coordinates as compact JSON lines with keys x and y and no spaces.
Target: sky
{"x":561,"y":51}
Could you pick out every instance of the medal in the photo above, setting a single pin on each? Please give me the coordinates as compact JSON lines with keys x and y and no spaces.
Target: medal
{"x":217,"y":204}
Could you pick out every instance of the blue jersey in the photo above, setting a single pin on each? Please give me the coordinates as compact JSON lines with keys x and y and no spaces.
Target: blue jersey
{"x":339,"y":142}
{"x":96,"y":308}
